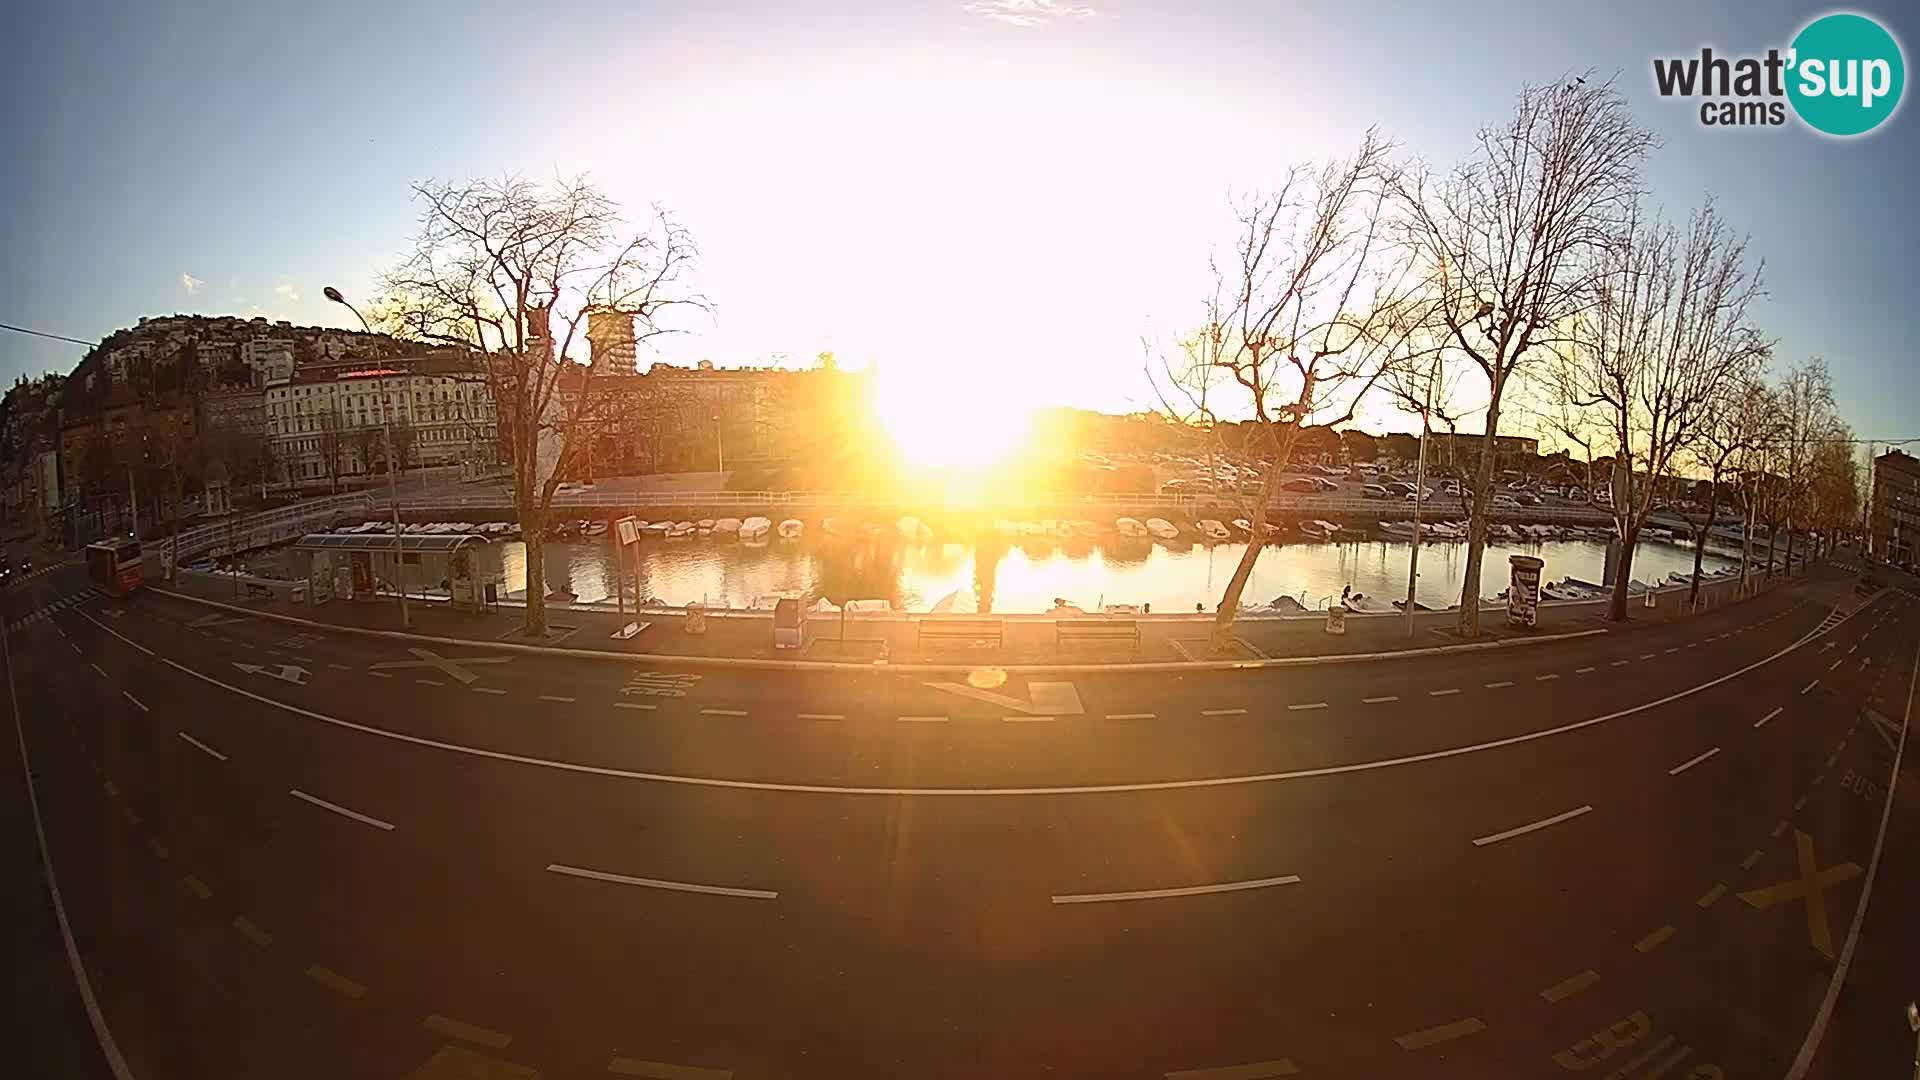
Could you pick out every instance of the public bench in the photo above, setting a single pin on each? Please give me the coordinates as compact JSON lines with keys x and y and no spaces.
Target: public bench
{"x":1096,"y":631}
{"x":972,"y":633}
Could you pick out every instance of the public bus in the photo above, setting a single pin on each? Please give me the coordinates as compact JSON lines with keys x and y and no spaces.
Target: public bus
{"x":114,"y":566}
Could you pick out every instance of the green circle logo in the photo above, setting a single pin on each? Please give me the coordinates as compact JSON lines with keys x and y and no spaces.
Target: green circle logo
{"x":1846,"y":73}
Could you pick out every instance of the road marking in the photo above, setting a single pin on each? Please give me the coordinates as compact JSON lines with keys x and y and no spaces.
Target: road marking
{"x":1547,"y":676}
{"x":1129,"y":716}
{"x":633,"y":705}
{"x":1800,"y":803}
{"x":203,"y":747}
{"x":813,"y":715}
{"x":1561,"y":991}
{"x":1671,"y":650}
{"x":341,"y":810}
{"x":660,"y":1070}
{"x":1779,"y":829}
{"x":1541,"y":824}
{"x":159,"y":849}
{"x":454,"y":666}
{"x":1690,"y":645}
{"x":1043,"y":698}
{"x":1620,"y":663}
{"x":1817,"y":777}
{"x":655,"y":883}
{"x":1712,"y":896}
{"x":1854,"y":649}
{"x":1498,"y":685}
{"x":1223,"y":712}
{"x":1654,"y":940}
{"x":1300,"y":706}
{"x":132,"y":818}
{"x":486,"y":690}
{"x":1646,"y":656}
{"x":429,"y":682}
{"x":1416,"y":1040}
{"x":1691,"y":762}
{"x":76,"y":648}
{"x":129,"y":696}
{"x":197,"y":887}
{"x":335,"y":981}
{"x":379,"y":674}
{"x":1811,"y":885}
{"x":1190,"y":890}
{"x":727,"y":712}
{"x":583,"y":769}
{"x":1805,"y":689}
{"x":1833,"y":665}
{"x":97,"y":671}
{"x":110,"y":789}
{"x":1583,"y":670}
{"x":923,"y":719}
{"x":473,"y":1033}
{"x":1753,"y":859}
{"x":1383,"y":699}
{"x":340,"y":667}
{"x":562,"y":699}
{"x":252,"y":932}
{"x":1258,"y":1070}
{"x":1762,"y":722}
{"x":1443,"y":693}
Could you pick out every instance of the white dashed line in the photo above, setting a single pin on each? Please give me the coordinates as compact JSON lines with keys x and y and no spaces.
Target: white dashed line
{"x":1223,"y":712}
{"x":656,"y":883}
{"x":1190,"y":890}
{"x":1582,"y":671}
{"x":380,"y":674}
{"x":1443,"y":693}
{"x":97,"y":671}
{"x":486,"y":690}
{"x":341,"y":810}
{"x":1383,"y":699}
{"x":1541,"y":824}
{"x":1300,"y":706}
{"x":135,"y":700}
{"x":1809,"y":687}
{"x":813,"y":715}
{"x":1646,"y":656}
{"x":429,"y":682}
{"x":203,"y":747}
{"x":923,"y":719}
{"x":1498,"y":685}
{"x":1547,"y":676}
{"x":633,"y":705}
{"x":564,"y":700}
{"x":728,"y":712}
{"x":1129,"y":716}
{"x":1762,"y":722}
{"x":1620,"y":663}
{"x":1691,"y":762}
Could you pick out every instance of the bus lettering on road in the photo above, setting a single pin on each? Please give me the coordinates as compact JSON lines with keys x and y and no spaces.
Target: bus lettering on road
{"x":659,"y":684}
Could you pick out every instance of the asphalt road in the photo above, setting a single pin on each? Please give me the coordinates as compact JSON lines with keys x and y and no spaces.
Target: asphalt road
{"x":307,"y":854}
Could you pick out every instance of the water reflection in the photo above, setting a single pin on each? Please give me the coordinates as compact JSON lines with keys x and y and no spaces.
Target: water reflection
{"x":995,"y":576}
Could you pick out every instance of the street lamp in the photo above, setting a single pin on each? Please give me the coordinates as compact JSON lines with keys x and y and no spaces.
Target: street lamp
{"x":393,"y":487}
{"x":719,"y":447}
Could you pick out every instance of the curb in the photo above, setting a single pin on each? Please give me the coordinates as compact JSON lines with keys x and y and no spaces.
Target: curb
{"x":771,"y":664}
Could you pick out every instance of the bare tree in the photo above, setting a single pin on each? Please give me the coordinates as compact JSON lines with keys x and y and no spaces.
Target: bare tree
{"x":513,"y":270}
{"x":1807,"y":418}
{"x":1299,"y":330}
{"x":331,"y":438}
{"x":1506,"y":242}
{"x":1664,"y":341}
{"x":368,"y":444}
{"x":1733,"y":424}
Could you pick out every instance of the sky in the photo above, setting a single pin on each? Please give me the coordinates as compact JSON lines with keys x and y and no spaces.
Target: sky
{"x":994,"y":201}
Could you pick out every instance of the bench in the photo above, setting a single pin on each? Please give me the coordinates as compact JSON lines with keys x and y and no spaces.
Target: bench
{"x":1098,"y":631}
{"x":255,"y":590}
{"x":973,"y":633}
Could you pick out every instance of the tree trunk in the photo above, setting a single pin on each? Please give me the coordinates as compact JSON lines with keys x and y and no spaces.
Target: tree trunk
{"x":533,"y":537}
{"x":1617,"y":599}
{"x":1221,"y":640}
{"x":1773,"y":529}
{"x":1789,"y":564}
{"x":1468,"y":623}
{"x":1700,"y":541}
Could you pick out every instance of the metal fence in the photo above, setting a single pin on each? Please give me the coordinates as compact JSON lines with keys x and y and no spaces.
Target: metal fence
{"x":255,"y":530}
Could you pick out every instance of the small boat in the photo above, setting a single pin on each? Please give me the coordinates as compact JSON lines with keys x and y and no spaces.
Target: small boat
{"x":1363,"y":603}
{"x":945,"y":603}
{"x":755,"y":528}
{"x":1161,"y":529}
{"x":705,"y":525}
{"x":765,"y":602}
{"x":656,"y":529}
{"x":727,"y":528}
{"x":1063,"y":607}
{"x":791,"y":528}
{"x":1397,"y":530}
{"x":1213,"y":530}
{"x":1318,"y":529}
{"x":680,"y":529}
{"x":1130,"y":527}
{"x":1286,"y":604}
{"x":869,"y":607}
{"x":831,"y":526}
{"x":598,"y":528}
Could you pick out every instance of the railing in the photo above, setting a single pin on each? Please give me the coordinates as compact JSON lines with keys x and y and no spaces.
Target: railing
{"x":252,"y":530}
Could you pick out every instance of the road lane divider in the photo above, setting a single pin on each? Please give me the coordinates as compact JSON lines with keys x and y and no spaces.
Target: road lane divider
{"x":1223,"y":712}
{"x":814,"y":715}
{"x":363,"y":819}
{"x":197,"y":887}
{"x":658,"y":883}
{"x":202,"y":747}
{"x":1752,"y":860}
{"x":1805,"y":690}
{"x":128,"y":694}
{"x":1304,"y":706}
{"x":248,"y":929}
{"x":335,"y":981}
{"x":1185,"y":890}
{"x":1130,"y":716}
{"x":1255,"y":1070}
{"x":1762,"y":722}
{"x":1654,"y":940}
{"x":1712,"y":896}
{"x":1566,"y":988}
{"x":562,"y":699}
{"x":1459,"y":1029}
{"x":660,"y":1070}
{"x":1692,"y":761}
{"x":737,"y":712}
{"x":97,"y":670}
{"x":1443,"y":693}
{"x":1381,"y":700}
{"x":486,"y":690}
{"x":473,"y":1033}
{"x":1524,"y":829}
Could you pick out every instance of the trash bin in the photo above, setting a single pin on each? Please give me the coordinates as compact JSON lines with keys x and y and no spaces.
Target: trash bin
{"x":696,"y":618}
{"x":1337,"y":619}
{"x":1523,"y":590}
{"x":789,"y":624}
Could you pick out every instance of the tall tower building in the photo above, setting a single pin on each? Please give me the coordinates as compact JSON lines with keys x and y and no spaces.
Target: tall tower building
{"x":610,"y":334}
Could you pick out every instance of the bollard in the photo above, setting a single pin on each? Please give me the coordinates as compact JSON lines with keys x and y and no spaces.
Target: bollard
{"x":1651,"y":602}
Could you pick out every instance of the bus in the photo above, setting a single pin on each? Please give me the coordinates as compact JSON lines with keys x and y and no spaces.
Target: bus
{"x":114,"y":566}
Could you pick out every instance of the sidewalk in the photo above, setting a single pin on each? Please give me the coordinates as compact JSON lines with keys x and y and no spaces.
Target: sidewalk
{"x":1028,"y":640}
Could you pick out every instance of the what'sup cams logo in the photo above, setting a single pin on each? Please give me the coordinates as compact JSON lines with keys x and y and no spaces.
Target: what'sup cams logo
{"x":1843,"y":76}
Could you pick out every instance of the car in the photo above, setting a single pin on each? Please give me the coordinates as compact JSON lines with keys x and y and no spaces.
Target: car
{"x":1415,"y":496}
{"x":1526,"y":498}
{"x":1504,"y":501}
{"x":1250,"y":487}
{"x":1375,"y":491}
{"x":1399,"y":487}
{"x":1299,"y":483}
{"x":1324,"y":484}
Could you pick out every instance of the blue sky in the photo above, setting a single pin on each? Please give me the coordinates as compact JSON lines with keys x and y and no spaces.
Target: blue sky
{"x":962,"y":199}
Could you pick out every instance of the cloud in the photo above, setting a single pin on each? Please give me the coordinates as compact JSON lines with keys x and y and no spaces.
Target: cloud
{"x":286,"y":291}
{"x":1026,"y":12}
{"x":190,"y":283}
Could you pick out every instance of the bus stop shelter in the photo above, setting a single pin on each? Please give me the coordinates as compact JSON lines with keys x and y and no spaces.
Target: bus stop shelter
{"x":364,"y":565}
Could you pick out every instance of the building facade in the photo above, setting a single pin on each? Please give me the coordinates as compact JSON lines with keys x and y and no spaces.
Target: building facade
{"x":326,"y":421}
{"x":1893,"y":516}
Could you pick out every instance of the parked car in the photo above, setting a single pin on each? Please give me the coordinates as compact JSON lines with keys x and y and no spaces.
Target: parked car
{"x":1503,"y":501}
{"x":1526,"y":498}
{"x":1399,"y":487}
{"x":1324,"y":484}
{"x":1375,"y":491}
{"x":1299,"y":483}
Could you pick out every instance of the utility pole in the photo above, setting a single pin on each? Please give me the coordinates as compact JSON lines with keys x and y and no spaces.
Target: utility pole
{"x":393,"y":495}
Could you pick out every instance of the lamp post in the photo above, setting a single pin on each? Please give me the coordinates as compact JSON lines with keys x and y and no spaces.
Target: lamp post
{"x":1420,"y":494}
{"x":719,"y":447}
{"x":393,"y":487}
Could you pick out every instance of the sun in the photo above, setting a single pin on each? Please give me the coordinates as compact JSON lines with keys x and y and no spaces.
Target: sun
{"x":950,"y":423}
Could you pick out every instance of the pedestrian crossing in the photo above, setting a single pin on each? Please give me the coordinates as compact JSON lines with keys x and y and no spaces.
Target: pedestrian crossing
{"x":46,"y":569}
{"x":48,"y":611}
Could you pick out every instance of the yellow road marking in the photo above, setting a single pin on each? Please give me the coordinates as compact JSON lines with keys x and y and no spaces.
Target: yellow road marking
{"x":660,"y":1070}
{"x":251,"y":932}
{"x":1811,"y":885}
{"x":335,"y":981}
{"x":1654,"y":940}
{"x":457,"y":1029}
{"x":1779,"y":829}
{"x":1416,"y":1040}
{"x":1565,"y":989}
{"x":197,"y":887}
{"x":452,"y":1062}
{"x":1712,"y":896}
{"x":1752,"y":860}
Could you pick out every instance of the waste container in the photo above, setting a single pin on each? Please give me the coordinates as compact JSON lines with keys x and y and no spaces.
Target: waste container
{"x":1523,"y":590}
{"x":1337,"y":619}
{"x":789,"y":624}
{"x":696,"y":618}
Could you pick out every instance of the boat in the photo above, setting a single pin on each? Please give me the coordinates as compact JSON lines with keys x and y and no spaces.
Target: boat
{"x":755,"y":528}
{"x":656,"y":529}
{"x":1397,"y":530}
{"x":1286,"y":604}
{"x":705,"y":526}
{"x":1161,"y":529}
{"x":1130,"y":527}
{"x":1213,"y":530}
{"x":1062,"y":607}
{"x":869,"y":607}
{"x":764,"y":602}
{"x":598,"y":528}
{"x":791,"y":528}
{"x":1318,"y":529}
{"x":680,"y":529}
{"x":727,"y":528}
{"x":1242,"y":526}
{"x":1363,"y":603}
